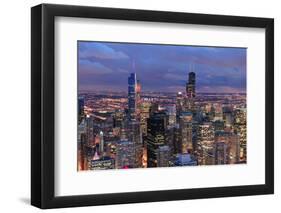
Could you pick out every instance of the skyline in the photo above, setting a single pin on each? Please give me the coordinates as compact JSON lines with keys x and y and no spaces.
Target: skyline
{"x":137,"y":130}
{"x":105,"y":66}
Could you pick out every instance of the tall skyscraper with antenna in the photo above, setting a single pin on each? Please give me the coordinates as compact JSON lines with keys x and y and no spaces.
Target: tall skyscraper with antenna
{"x":190,"y":85}
{"x":134,"y":95}
{"x":132,"y":99}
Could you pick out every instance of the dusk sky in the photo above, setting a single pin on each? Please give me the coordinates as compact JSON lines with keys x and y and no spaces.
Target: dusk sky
{"x":106,"y":66}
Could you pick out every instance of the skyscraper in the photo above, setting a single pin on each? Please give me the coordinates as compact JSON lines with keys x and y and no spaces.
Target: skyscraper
{"x":81,"y":103}
{"x":232,"y":142}
{"x":171,"y":112}
{"x":156,"y":126}
{"x":134,"y":135}
{"x":190,"y":85}
{"x":144,"y":115}
{"x":179,"y":105}
{"x":89,"y":130}
{"x":163,"y":156}
{"x":227,"y":116}
{"x":125,"y":154}
{"x":221,"y":153}
{"x":185,"y":133}
{"x":205,"y":143}
{"x":118,"y":118}
{"x":240,"y":128}
{"x":132,"y":99}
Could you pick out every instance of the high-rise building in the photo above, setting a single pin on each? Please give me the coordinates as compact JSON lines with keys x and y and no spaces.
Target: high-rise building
{"x":81,"y":103}
{"x":185,"y":141}
{"x":89,"y":153}
{"x":231,"y":141}
{"x":118,"y":118}
{"x":180,"y":102}
{"x":227,"y":116}
{"x":89,"y":130}
{"x":125,"y":154}
{"x":190,"y":85}
{"x":132,"y":96}
{"x":134,"y":135}
{"x":163,"y":156}
{"x":154,"y":108}
{"x":171,"y":138}
{"x":81,"y":147}
{"x":144,"y":115}
{"x":234,"y":149}
{"x":218,"y":112}
{"x":156,"y":130}
{"x":240,"y":128}
{"x":180,"y":105}
{"x":195,"y":127}
{"x":205,"y":144}
{"x":171,"y":112}
{"x":221,"y":153}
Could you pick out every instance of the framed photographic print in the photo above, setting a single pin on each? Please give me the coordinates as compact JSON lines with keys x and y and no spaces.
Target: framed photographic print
{"x":139,"y":106}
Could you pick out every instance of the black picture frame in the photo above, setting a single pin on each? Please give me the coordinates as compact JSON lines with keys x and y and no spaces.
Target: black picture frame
{"x":43,"y":110}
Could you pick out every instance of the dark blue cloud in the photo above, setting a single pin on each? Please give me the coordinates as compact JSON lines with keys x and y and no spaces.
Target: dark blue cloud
{"x":105,"y":66}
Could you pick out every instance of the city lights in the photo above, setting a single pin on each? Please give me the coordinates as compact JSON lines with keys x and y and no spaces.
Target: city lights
{"x":182,"y":129}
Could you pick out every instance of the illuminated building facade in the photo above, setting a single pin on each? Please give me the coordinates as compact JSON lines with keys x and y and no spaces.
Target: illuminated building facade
{"x":180,"y":104}
{"x":163,"y":156}
{"x":172,"y":113}
{"x":81,"y":103}
{"x":231,"y":142}
{"x":221,"y":153}
{"x":103,"y":163}
{"x":240,"y":128}
{"x":140,"y":129}
{"x":190,"y":86}
{"x":135,"y":136}
{"x":156,"y":126}
{"x":144,"y":115}
{"x":132,"y":96}
{"x":185,"y":128}
{"x":205,"y":143}
{"x":125,"y":154}
{"x":89,"y":130}
{"x":227,"y":116}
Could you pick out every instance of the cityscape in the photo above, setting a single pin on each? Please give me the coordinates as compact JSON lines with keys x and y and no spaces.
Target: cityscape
{"x":134,"y":120}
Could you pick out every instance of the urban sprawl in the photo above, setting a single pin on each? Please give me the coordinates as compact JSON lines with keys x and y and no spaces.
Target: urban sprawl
{"x":143,"y":129}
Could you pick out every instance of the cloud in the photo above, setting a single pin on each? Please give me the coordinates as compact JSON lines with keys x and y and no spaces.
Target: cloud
{"x":215,"y":57}
{"x":92,"y":51}
{"x":86,"y":67}
{"x":220,"y":89}
{"x":161,"y":67}
{"x":172,"y":76}
{"x":123,"y":71}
